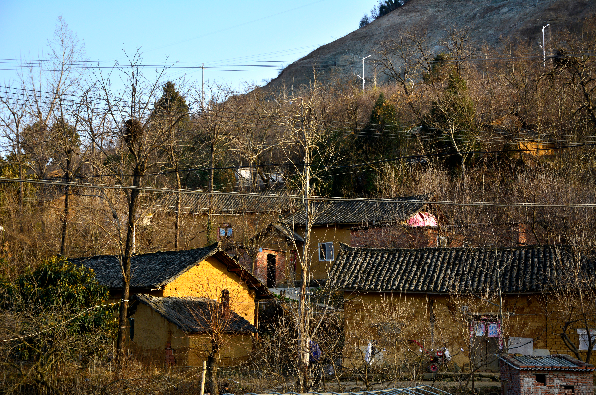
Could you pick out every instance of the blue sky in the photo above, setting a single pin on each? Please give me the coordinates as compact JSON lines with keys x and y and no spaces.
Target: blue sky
{"x":224,"y":35}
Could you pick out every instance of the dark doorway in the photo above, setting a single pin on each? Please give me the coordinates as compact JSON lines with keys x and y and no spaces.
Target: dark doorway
{"x":271,"y":266}
{"x":484,"y":347}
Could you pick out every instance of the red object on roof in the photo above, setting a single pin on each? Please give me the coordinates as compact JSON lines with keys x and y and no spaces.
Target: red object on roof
{"x":422,"y":219}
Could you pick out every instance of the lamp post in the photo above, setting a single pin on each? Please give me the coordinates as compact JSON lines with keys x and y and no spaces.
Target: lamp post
{"x":363,"y":71}
{"x":543,"y":46}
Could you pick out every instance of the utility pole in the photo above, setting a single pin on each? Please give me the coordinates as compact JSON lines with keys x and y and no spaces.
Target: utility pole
{"x":202,"y":86}
{"x":543,"y":46}
{"x":362,"y":77}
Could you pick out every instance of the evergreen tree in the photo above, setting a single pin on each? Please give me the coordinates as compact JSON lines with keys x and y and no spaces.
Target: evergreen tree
{"x":452,"y":123}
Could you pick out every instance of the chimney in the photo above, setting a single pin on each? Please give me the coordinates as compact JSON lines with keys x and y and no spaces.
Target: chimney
{"x":225,"y":304}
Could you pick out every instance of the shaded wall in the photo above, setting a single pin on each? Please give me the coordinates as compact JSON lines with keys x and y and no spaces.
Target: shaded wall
{"x":392,"y":321}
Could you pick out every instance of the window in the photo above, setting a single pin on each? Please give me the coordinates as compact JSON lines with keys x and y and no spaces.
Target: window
{"x":583,"y":339}
{"x":326,"y":251}
{"x":225,"y":231}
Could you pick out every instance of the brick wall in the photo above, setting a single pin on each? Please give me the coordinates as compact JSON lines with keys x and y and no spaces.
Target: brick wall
{"x":282,"y":269}
{"x":527,"y":382}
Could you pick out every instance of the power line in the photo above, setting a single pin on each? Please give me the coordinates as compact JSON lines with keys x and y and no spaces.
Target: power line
{"x":300,"y":197}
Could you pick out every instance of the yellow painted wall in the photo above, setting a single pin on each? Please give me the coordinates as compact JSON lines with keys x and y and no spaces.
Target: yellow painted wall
{"x":322,"y":234}
{"x":207,"y":279}
{"x":373,"y":316}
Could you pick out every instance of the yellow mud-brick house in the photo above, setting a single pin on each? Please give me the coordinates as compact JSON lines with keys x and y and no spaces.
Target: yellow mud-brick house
{"x":180,"y":331}
{"x":406,"y":304}
{"x":333,"y":222}
{"x":173,"y":290}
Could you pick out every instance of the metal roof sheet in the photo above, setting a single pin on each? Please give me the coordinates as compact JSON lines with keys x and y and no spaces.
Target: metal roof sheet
{"x":419,"y":390}
{"x":550,"y":362}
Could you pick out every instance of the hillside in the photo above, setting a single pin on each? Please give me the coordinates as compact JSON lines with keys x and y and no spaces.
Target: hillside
{"x":488,"y":22}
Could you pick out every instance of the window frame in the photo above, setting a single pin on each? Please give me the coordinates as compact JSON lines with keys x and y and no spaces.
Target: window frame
{"x":328,"y":248}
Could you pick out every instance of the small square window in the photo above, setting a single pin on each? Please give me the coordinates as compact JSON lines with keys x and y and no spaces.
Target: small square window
{"x":225,"y":232}
{"x":584,"y":341}
{"x":326,"y":251}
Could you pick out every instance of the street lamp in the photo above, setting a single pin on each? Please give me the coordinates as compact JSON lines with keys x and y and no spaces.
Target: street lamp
{"x":363,"y":71}
{"x":543,"y":47}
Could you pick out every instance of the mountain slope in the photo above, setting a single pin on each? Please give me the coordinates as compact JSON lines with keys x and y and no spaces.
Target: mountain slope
{"x":488,"y":22}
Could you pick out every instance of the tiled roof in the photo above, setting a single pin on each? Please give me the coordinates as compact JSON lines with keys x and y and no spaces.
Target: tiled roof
{"x":229,"y":203}
{"x":153,"y":271}
{"x":360,"y":212}
{"x":448,"y":270}
{"x":196,"y":315}
{"x":286,"y":231}
{"x":551,"y":362}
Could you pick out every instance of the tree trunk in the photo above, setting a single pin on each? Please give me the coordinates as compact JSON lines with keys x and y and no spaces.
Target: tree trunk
{"x":210,"y":238}
{"x":212,"y":386}
{"x":303,"y":319}
{"x":126,"y":261}
{"x":66,"y":208}
{"x":177,"y":224}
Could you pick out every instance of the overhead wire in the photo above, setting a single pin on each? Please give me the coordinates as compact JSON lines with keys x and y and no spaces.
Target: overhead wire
{"x":300,"y":197}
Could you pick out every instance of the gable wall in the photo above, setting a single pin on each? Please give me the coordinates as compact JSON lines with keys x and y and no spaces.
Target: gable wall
{"x":207,"y":279}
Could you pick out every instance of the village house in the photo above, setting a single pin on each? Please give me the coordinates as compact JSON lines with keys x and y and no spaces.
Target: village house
{"x":180,"y":331}
{"x":173,"y":291}
{"x":349,"y":221}
{"x":272,"y":255}
{"x":228,"y":218}
{"x":472,"y":301}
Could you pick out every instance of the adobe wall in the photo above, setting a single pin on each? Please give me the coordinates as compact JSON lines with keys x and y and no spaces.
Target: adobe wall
{"x":365,"y":314}
{"x":322,"y":234}
{"x":527,"y":316}
{"x":207,"y":280}
{"x":152,"y":333}
{"x":235,"y":349}
{"x":193,"y":230}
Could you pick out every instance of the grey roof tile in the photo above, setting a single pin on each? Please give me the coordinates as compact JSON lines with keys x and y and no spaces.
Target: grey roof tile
{"x":196,"y":315}
{"x":358,"y":212}
{"x":197,"y":203}
{"x":153,"y":271}
{"x":447,"y":270}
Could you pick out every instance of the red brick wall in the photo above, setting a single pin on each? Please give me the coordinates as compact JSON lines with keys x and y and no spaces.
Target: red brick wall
{"x":281,"y":269}
{"x":523,"y":382}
